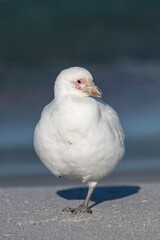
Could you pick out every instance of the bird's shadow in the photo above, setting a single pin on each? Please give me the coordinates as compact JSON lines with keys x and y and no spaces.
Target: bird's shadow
{"x":100,"y":194}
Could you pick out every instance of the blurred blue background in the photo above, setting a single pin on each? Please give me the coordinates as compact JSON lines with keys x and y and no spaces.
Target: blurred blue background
{"x":117,"y":41}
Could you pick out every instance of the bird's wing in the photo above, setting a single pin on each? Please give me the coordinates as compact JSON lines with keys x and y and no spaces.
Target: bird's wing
{"x":111,"y":117}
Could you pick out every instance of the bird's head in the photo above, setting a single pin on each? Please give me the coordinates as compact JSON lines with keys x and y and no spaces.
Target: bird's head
{"x":77,"y":81}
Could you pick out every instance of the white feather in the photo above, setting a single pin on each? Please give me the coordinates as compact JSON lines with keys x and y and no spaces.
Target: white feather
{"x":78,"y":136}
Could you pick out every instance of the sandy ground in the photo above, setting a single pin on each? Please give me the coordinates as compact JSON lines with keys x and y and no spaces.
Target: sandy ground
{"x":120,"y":211}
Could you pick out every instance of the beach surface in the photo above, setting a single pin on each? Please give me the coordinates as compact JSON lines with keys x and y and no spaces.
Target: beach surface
{"x":121,"y":210}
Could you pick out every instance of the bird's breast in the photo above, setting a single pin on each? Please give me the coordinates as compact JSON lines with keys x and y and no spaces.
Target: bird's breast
{"x":77,"y":116}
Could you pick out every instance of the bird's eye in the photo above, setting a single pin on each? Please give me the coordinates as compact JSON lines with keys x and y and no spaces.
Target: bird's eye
{"x":79,"y":81}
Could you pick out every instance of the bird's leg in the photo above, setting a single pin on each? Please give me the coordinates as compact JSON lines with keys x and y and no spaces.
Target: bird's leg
{"x":83,"y":208}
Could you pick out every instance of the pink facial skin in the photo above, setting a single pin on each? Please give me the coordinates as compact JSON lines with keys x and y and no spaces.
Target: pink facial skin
{"x":83,"y":84}
{"x":88,"y":87}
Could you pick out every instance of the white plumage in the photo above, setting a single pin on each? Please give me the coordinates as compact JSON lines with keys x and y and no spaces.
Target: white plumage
{"x":78,"y":135}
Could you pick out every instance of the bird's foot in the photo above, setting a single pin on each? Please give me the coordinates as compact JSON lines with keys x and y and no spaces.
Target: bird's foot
{"x":80,"y":209}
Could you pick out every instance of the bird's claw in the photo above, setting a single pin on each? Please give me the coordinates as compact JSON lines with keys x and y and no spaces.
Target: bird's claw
{"x":80,"y":209}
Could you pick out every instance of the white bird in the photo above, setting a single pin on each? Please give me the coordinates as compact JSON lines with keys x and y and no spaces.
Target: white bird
{"x":78,"y":135}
